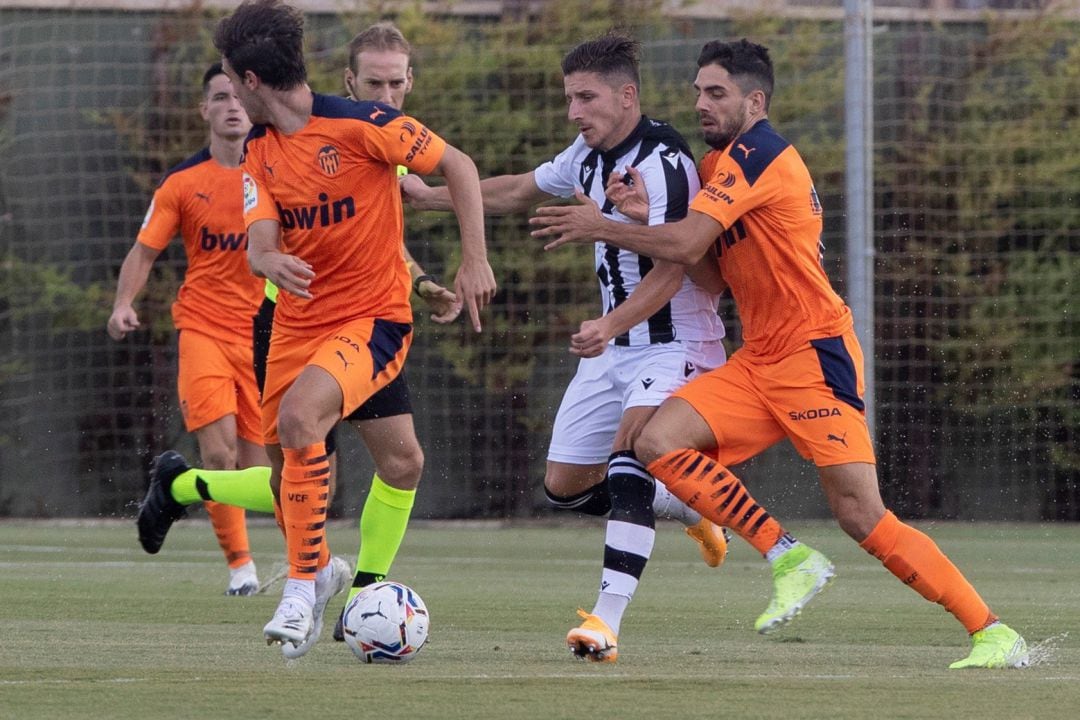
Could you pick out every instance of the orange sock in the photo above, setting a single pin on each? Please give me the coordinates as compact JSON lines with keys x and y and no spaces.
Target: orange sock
{"x":919,"y":563}
{"x":305,"y":487}
{"x":712,"y":490}
{"x":231,"y":531}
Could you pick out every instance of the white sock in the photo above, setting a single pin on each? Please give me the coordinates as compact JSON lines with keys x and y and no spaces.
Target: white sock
{"x":785,"y":543}
{"x":244,"y":570}
{"x":303,"y":590}
{"x":610,"y":609}
{"x":666,"y":505}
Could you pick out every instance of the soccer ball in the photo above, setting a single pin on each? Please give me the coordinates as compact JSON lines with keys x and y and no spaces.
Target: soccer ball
{"x":386,"y":623}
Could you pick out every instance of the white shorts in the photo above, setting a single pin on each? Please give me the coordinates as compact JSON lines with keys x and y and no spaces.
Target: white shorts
{"x":623,"y":377}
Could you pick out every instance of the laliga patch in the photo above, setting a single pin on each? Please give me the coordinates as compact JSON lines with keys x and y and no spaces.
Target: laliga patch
{"x":251,"y":194}
{"x":149,"y":214}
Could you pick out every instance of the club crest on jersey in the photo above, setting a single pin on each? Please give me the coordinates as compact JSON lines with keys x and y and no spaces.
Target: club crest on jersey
{"x":251,"y":193}
{"x":329,"y":159}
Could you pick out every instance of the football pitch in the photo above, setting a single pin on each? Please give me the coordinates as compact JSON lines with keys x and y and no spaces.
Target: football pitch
{"x":95,"y":628}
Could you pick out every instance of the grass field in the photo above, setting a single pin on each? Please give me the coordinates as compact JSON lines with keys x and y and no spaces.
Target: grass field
{"x":94,"y":628}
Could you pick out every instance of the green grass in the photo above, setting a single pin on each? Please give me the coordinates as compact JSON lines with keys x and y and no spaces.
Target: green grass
{"x":94,"y":628}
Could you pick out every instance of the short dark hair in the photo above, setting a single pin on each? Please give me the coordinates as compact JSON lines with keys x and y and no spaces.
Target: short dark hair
{"x":211,"y":72}
{"x":380,"y":36}
{"x":748,"y":64}
{"x":613,"y":54}
{"x":267,"y":38}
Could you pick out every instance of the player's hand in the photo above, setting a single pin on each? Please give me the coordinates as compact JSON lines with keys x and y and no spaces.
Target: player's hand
{"x":628,"y":194}
{"x":444,"y":305}
{"x":475,"y":286}
{"x":288,"y":272}
{"x":590,"y":340}
{"x":122,"y":321}
{"x":415,"y":192}
{"x":568,"y":223}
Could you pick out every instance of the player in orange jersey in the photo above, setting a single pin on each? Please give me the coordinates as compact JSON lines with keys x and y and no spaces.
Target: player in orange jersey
{"x":799,"y":374}
{"x":324,"y":218}
{"x":199,"y":200}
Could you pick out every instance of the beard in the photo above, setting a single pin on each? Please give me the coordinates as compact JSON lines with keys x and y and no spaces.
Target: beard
{"x":724,"y":134}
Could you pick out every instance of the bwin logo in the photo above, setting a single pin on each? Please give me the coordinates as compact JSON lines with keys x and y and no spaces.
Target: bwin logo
{"x":224,"y":241}
{"x":325,"y":214}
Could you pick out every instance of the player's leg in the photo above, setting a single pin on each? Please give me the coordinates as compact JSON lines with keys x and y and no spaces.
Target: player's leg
{"x":306,"y":413}
{"x":399,"y":462}
{"x":385,"y":424}
{"x":581,"y":440}
{"x":218,"y":449}
{"x":628,"y":542}
{"x":349,"y":365}
{"x":671,"y":445}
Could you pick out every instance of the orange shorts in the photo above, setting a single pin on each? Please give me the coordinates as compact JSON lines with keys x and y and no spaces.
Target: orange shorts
{"x":215,"y":379}
{"x":363,"y":356}
{"x":813,"y":397}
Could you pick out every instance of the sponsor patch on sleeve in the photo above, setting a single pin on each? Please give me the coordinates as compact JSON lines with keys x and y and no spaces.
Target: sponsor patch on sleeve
{"x":251,"y":194}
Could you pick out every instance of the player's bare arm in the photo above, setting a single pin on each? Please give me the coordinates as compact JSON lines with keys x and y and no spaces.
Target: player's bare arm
{"x":683,"y":242}
{"x":474,"y":283}
{"x":133,"y":275}
{"x":444,"y":305}
{"x":651,"y":294}
{"x":628,"y":194}
{"x":705,"y":273}
{"x":502,"y":194}
{"x":288,"y":272}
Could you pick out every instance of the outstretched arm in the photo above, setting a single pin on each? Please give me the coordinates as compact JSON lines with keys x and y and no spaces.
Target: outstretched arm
{"x":134,"y":273}
{"x":501,"y":194}
{"x":682,"y":242}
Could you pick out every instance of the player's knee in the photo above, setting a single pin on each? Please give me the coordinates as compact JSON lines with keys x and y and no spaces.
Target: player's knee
{"x":296,"y":428}
{"x":652,"y":444}
{"x":220,"y":457}
{"x":402,"y":469}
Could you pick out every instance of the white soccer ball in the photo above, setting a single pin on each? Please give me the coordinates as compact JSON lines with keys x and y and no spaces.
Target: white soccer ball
{"x":386,"y":623}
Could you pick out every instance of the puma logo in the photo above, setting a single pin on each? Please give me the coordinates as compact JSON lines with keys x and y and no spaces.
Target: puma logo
{"x":342,"y":356}
{"x":378,"y":613}
{"x":746,"y":150}
{"x":840,"y":439}
{"x":377,"y":113}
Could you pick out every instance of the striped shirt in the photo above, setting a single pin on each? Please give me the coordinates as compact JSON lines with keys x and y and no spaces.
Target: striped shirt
{"x":667,"y":167}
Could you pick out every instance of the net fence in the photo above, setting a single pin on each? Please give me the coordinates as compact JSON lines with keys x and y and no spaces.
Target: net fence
{"x":977,"y":234}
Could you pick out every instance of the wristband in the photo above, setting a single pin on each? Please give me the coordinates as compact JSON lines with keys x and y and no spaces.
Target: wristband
{"x":421,"y":278}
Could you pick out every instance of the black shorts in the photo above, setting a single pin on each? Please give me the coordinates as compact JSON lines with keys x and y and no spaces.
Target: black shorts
{"x":390,"y":401}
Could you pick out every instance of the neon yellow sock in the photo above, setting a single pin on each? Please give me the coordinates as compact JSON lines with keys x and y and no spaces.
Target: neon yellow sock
{"x":382,"y":528}
{"x":248,"y":488}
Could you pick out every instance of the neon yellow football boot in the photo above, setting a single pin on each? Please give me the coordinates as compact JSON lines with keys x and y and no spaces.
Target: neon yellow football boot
{"x":798,"y":575}
{"x":997,"y":646}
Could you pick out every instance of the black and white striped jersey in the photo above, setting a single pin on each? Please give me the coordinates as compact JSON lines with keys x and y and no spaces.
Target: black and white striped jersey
{"x":667,"y":166}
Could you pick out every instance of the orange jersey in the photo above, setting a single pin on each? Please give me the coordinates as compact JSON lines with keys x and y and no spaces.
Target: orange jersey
{"x":202,"y":200}
{"x":760,"y":190}
{"x":333,"y":187}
